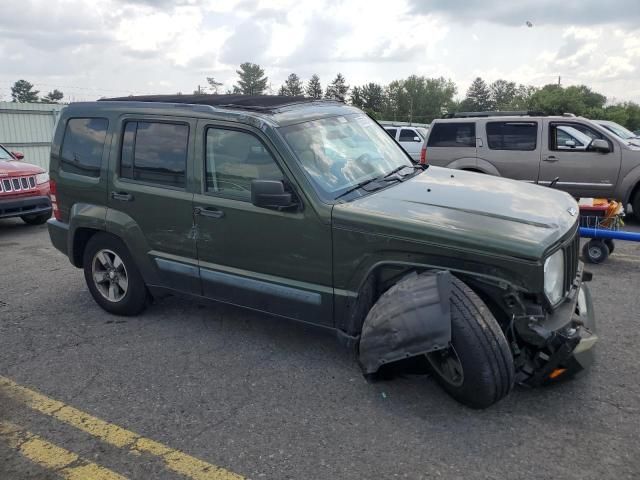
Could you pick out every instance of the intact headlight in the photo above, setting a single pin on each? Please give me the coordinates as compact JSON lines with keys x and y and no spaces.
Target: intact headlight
{"x":42,"y":178}
{"x":554,"y":276}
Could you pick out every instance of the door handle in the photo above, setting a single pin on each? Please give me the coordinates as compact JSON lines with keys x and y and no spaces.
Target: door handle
{"x":122,"y":196}
{"x":550,"y":158}
{"x":208,"y":212}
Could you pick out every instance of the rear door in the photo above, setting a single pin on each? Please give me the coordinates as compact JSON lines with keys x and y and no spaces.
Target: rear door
{"x":580,"y":171}
{"x":512,"y":147}
{"x":149,"y":197}
{"x":452,"y":144}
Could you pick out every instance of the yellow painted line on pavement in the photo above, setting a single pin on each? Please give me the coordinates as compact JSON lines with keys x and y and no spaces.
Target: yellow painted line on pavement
{"x":64,"y":463}
{"x":175,"y":460}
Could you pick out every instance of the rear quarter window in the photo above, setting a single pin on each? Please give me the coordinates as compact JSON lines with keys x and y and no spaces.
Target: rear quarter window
{"x":453,"y":135}
{"x":512,"y":135}
{"x":83,"y":145}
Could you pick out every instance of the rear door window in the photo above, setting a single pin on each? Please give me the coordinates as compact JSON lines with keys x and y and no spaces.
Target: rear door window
{"x":408,"y":135}
{"x":461,"y":134}
{"x":512,"y":135}
{"x":83,"y":145}
{"x":155,"y":152}
{"x":392,"y":132}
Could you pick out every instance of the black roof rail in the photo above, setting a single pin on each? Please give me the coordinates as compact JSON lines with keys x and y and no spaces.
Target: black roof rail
{"x":263,"y":103}
{"x":516,"y":113}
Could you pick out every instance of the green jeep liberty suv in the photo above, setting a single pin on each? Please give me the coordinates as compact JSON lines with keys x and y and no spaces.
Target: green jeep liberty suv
{"x":309,"y":210}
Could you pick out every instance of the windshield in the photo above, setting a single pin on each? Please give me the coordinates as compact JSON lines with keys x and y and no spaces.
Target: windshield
{"x":4,"y":155}
{"x":340,"y":152}
{"x":619,"y":130}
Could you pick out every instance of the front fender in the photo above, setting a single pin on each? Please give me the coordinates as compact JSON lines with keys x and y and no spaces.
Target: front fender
{"x":412,"y":318}
{"x":627,"y":185}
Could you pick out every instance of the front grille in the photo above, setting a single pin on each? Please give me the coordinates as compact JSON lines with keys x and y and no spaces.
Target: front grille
{"x":18,"y":184}
{"x":571,"y":254}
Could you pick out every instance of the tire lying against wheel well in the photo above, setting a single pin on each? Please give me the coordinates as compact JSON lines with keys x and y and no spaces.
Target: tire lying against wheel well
{"x":432,"y":312}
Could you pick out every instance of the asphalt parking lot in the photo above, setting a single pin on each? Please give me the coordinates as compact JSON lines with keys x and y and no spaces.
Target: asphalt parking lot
{"x":262,"y":398}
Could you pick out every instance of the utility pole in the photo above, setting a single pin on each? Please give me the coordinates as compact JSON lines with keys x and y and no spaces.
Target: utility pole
{"x":559,"y":85}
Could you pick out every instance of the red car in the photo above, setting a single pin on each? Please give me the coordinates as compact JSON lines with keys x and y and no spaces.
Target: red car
{"x":24,"y":189}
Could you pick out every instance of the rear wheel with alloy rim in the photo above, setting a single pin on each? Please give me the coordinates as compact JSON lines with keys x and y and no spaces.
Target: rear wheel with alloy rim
{"x":112,"y":276}
{"x":109,"y":275}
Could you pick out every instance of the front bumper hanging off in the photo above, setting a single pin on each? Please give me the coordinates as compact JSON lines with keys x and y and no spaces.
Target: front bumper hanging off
{"x":563,"y":343}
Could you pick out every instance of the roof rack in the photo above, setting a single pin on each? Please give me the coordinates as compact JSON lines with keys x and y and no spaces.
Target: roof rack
{"x":261,"y":103}
{"x":517,"y":113}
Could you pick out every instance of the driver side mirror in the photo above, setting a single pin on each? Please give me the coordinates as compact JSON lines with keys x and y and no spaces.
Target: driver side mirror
{"x":271,"y":194}
{"x":18,"y":155}
{"x":599,"y":145}
{"x":570,"y":143}
{"x":417,"y":139}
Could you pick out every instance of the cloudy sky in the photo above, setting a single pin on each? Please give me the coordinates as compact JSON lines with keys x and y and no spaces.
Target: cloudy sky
{"x":90,"y":49}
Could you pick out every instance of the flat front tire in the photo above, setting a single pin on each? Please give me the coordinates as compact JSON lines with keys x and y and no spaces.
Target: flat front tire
{"x":112,"y":276}
{"x":477,"y":368}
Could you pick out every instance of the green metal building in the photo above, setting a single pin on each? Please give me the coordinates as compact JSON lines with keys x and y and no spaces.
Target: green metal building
{"x":28,"y":128}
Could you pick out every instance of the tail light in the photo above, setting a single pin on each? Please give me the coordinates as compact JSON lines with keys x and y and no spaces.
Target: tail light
{"x":53,"y":189}
{"x":423,"y":154}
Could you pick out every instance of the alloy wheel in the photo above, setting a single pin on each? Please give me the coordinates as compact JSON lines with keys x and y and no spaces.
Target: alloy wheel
{"x":109,"y":275}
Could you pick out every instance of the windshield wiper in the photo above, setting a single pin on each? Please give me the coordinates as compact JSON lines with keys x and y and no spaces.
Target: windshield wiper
{"x":398,"y":169}
{"x":357,"y":186}
{"x":385,"y":178}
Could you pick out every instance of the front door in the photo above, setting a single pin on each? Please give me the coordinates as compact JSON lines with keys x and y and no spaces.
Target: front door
{"x":580,"y":171}
{"x":274,"y":261}
{"x":150,"y":200}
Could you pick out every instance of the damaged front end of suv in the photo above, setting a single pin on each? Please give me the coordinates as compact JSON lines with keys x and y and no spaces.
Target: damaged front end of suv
{"x":467,"y":270}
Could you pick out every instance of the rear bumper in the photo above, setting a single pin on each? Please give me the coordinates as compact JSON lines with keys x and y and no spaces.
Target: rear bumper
{"x":19,"y":206}
{"x":59,"y":234}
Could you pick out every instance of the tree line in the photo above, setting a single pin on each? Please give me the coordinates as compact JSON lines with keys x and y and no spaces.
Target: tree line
{"x":415,"y":99}
{"x":23,"y":92}
{"x":420,"y":99}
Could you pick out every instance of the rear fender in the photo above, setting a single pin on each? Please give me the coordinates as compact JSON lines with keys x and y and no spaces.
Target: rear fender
{"x":83,"y":216}
{"x":412,"y":318}
{"x":461,"y":163}
{"x":486,"y":167}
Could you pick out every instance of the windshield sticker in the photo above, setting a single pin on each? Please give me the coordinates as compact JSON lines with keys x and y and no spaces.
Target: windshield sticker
{"x":364,"y":122}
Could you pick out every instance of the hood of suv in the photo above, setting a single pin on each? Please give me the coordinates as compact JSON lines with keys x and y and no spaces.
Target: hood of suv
{"x":16,"y":167}
{"x":466,"y":210}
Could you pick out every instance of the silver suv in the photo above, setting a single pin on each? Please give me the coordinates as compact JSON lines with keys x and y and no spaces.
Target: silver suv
{"x":586,"y":159}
